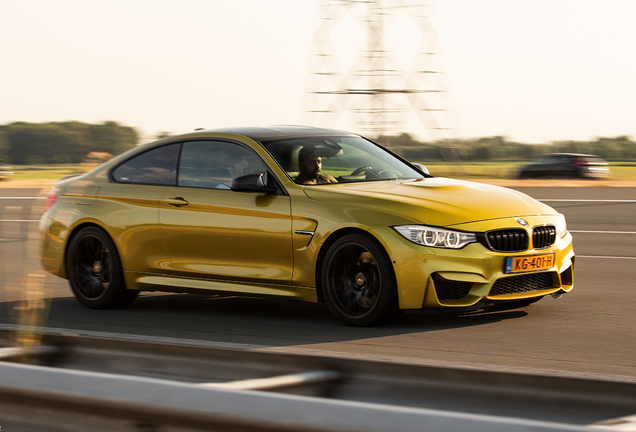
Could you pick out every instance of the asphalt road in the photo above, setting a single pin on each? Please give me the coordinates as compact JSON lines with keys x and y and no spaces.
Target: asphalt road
{"x":591,"y":330}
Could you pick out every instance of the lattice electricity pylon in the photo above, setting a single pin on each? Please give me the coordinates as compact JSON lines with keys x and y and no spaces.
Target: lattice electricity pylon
{"x":376,"y":69}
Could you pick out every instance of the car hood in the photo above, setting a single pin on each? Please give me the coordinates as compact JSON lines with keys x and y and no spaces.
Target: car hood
{"x":434,"y":201}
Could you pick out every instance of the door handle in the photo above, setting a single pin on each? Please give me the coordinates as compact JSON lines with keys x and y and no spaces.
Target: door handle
{"x":177,"y":202}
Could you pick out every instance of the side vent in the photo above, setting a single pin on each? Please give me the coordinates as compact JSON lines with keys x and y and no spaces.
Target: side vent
{"x":451,"y":290}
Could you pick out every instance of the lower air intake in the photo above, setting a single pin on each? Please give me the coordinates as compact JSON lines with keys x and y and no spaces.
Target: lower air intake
{"x":522,"y":284}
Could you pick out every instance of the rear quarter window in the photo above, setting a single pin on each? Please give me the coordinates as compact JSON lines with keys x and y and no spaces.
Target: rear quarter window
{"x":157,"y":166}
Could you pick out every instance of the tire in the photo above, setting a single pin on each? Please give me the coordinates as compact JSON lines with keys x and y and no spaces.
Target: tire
{"x":94,"y":271}
{"x":358,"y":282}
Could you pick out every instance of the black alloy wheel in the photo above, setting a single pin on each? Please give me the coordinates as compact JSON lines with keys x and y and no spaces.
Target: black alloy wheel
{"x":358,"y":282}
{"x":94,"y":271}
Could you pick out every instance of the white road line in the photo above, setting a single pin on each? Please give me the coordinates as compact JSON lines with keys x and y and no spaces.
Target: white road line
{"x":19,"y":220}
{"x":606,"y":257}
{"x":585,"y":200}
{"x":131,"y":337}
{"x":622,"y":424}
{"x":603,"y":232}
{"x":22,"y":198}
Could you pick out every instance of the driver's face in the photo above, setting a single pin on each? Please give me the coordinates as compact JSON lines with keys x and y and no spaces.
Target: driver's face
{"x":310,"y":167}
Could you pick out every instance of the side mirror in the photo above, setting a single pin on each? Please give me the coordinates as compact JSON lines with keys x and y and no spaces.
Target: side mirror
{"x":254,"y":182}
{"x":421,"y":168}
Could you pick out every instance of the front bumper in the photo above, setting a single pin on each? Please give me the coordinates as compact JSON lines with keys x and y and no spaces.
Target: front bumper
{"x":439,"y":278}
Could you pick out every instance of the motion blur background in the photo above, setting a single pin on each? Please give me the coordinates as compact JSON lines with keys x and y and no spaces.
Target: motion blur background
{"x":118,"y":73}
{"x":81,"y":81}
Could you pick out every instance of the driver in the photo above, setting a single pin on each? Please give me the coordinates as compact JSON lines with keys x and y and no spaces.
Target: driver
{"x":309,"y":166}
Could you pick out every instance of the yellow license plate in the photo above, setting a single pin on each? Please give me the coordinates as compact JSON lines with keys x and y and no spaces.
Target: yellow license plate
{"x":529,"y":263}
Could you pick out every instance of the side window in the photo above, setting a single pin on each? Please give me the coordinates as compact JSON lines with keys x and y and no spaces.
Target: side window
{"x":154,"y":167}
{"x":213,"y":164}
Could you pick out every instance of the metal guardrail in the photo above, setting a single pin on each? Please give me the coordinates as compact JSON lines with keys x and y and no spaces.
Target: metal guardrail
{"x":82,"y":383}
{"x":144,"y":403}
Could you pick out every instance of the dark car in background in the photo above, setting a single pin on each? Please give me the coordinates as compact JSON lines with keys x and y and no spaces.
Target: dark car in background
{"x":566,"y":165}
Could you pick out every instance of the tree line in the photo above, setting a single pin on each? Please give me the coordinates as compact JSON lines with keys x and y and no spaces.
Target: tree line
{"x":24,"y":143}
{"x":617,"y":149}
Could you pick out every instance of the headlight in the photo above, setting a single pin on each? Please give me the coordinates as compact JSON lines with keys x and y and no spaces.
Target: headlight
{"x":561,"y":226}
{"x":436,"y":237}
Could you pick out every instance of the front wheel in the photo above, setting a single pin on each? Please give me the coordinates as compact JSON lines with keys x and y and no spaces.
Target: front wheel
{"x":358,"y":282}
{"x":94,"y":271}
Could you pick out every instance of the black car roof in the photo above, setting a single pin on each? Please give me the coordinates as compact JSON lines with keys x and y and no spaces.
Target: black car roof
{"x":280,"y":132}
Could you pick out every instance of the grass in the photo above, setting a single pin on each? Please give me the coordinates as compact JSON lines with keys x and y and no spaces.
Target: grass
{"x":474,"y":170}
{"x":492,"y":170}
{"x":623,"y":172}
{"x":43,"y":172}
{"x":508,"y":170}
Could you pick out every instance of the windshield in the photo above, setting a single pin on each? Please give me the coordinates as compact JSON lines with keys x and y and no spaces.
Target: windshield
{"x":324,"y":160}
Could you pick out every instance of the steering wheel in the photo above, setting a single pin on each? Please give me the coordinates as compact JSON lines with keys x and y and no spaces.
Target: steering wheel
{"x":361,"y":170}
{"x":388,"y":174}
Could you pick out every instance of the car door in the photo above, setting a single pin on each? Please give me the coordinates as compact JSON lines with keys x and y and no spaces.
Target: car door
{"x":129,"y":206}
{"x":212,"y":232}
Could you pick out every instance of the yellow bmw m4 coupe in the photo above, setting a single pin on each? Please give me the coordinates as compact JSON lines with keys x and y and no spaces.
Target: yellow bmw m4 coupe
{"x":299,"y":213}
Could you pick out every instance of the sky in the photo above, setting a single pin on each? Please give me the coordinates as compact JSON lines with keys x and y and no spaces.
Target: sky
{"x":537,"y":72}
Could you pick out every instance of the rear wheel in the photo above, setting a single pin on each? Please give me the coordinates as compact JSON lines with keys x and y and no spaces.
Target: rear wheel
{"x":358,"y":282}
{"x":94,"y":271}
